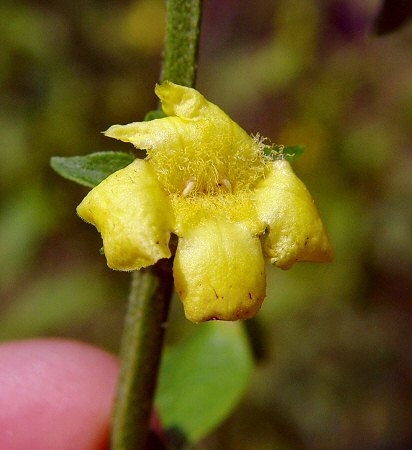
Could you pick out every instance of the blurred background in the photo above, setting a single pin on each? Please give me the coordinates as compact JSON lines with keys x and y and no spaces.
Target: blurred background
{"x":333,"y":342}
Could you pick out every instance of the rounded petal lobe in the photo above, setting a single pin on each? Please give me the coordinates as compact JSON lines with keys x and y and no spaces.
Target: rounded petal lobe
{"x":158,"y":134}
{"x":180,"y":101}
{"x":133,"y":215}
{"x":296,"y":231}
{"x":219,"y":272}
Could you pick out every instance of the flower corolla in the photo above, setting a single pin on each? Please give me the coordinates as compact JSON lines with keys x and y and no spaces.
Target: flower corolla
{"x":210,"y":183}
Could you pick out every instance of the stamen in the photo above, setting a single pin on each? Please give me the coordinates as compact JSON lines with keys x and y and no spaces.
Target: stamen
{"x":227,"y":184}
{"x":190,"y":184}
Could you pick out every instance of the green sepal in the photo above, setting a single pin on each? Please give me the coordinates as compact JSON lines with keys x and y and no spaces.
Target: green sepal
{"x":90,"y":170}
{"x":155,"y":114}
{"x":290,"y":154}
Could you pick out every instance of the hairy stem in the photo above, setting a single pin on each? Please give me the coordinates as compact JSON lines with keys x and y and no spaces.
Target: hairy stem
{"x":182,"y":41}
{"x":143,"y":333}
{"x":152,"y":288}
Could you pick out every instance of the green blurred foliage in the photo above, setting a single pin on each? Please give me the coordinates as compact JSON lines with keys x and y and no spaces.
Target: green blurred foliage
{"x":203,"y":379}
{"x":334,"y":368}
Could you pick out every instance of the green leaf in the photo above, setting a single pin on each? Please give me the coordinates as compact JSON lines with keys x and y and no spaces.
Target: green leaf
{"x":290,"y":154}
{"x":202,"y":379}
{"x":90,"y":170}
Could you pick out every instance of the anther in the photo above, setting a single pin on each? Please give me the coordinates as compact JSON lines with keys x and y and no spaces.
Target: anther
{"x":190,"y":184}
{"x":227,"y":184}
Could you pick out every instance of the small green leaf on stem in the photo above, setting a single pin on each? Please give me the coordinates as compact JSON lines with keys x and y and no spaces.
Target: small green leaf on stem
{"x":90,"y":170}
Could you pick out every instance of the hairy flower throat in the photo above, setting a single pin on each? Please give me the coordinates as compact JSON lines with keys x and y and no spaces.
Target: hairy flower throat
{"x":210,"y":169}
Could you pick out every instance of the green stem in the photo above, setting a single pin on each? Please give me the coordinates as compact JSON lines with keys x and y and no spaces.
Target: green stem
{"x":182,"y":41}
{"x":152,"y":288}
{"x":143,"y":333}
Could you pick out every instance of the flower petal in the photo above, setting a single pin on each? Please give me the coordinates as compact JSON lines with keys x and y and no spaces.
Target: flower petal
{"x":133,"y":215}
{"x":198,"y":143}
{"x":296,"y":232}
{"x":159,"y":134}
{"x":219,"y":272}
{"x":182,"y":101}
{"x":192,"y":211}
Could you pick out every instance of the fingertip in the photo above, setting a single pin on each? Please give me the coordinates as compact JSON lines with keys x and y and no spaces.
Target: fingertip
{"x":55,"y":394}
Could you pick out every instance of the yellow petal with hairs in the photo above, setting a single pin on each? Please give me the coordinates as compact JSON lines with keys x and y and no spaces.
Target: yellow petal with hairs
{"x":197,"y":144}
{"x":133,"y":215}
{"x":219,"y":272}
{"x":295,"y":229}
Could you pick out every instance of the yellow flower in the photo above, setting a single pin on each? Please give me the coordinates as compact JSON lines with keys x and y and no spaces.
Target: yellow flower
{"x":207,"y":181}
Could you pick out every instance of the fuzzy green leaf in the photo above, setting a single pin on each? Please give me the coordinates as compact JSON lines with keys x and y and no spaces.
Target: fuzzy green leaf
{"x":90,"y":170}
{"x":202,"y":379}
